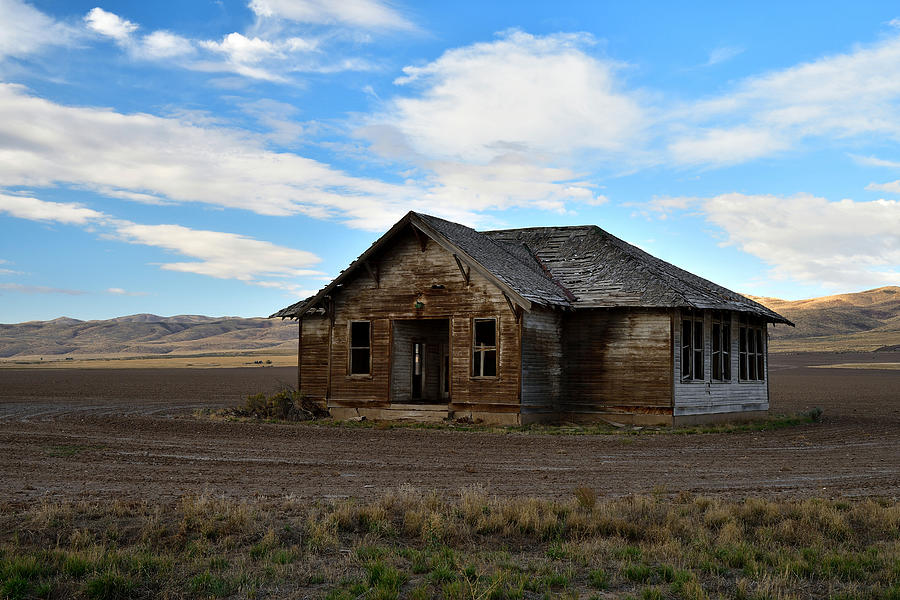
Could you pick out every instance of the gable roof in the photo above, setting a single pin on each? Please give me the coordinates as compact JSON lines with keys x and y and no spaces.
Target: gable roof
{"x":565,"y":268}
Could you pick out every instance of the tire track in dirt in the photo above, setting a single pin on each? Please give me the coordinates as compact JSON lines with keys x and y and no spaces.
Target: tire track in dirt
{"x":92,"y":442}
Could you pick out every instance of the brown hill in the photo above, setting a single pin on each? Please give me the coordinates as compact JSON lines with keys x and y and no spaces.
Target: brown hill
{"x":863,"y":321}
{"x":142,"y":335}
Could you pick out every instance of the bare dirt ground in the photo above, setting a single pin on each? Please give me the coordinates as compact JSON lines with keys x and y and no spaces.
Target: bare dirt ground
{"x":129,"y":433}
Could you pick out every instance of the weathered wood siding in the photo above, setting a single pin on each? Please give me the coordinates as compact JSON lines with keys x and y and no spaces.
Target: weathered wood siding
{"x":407,"y":273}
{"x":617,"y":360}
{"x":542,"y":354}
{"x":710,"y":397}
{"x":312,"y":367}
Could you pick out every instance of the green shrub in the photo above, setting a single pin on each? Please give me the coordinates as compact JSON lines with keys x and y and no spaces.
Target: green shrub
{"x":109,"y":586}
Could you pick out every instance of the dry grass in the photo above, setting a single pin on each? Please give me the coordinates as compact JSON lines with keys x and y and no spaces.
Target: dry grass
{"x":411,"y":544}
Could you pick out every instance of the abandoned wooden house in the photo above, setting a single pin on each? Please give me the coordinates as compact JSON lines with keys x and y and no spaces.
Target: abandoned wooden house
{"x":572,"y":324}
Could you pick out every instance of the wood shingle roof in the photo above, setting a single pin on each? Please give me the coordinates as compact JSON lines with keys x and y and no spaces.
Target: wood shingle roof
{"x":567,"y":268}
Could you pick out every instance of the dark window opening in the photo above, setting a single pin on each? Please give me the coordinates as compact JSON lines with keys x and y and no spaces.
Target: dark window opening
{"x":484,"y":354}
{"x":360,"y":348}
{"x":692,"y":348}
{"x":721,"y":349}
{"x":752,"y":352}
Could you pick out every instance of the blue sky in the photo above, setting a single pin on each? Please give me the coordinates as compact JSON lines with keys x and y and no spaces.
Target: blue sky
{"x":228,"y":158}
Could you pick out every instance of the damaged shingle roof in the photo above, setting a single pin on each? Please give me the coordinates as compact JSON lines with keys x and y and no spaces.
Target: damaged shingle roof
{"x":569,"y":267}
{"x":602,"y":271}
{"x":510,"y":263}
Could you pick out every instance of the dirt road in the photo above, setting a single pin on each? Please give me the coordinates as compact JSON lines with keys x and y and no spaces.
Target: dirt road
{"x":96,"y":434}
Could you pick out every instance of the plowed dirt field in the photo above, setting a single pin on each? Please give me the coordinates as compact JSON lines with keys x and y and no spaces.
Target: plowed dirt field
{"x":130,"y":433}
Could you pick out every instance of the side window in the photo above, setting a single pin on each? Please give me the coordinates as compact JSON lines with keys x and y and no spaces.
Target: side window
{"x":692,"y":347}
{"x":484,"y":348}
{"x":360,"y":348}
{"x":721,"y":347}
{"x":752,"y":352}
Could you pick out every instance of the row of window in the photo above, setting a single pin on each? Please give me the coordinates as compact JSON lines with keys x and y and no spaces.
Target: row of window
{"x":751,"y":349}
{"x":484,"y":348}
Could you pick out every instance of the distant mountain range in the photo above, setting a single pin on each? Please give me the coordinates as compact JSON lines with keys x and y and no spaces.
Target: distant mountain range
{"x":145,"y":335}
{"x":863,"y":321}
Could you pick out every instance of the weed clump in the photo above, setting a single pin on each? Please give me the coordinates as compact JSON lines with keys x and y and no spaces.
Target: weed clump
{"x":284,"y":405}
{"x":815,"y":414}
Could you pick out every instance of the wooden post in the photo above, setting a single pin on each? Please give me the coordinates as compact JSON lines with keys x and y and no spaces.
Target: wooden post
{"x":513,"y":308}
{"x":373,"y":272}
{"x":466,"y":272}
{"x":329,"y":314}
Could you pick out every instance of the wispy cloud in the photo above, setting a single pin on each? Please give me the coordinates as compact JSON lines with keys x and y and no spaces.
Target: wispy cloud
{"x":723,"y":54}
{"x":274,"y":52}
{"x":38,"y":289}
{"x":366,"y":14}
{"x":25,"y":207}
{"x":838,"y":97}
{"x":25,"y":30}
{"x":221,"y":255}
{"x":163,"y":159}
{"x":123,"y":292}
{"x":216,"y":254}
{"x":839,"y":244}
{"x":874,"y":161}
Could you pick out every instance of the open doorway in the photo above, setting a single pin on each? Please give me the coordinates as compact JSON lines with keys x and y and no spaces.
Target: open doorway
{"x":420,"y":369}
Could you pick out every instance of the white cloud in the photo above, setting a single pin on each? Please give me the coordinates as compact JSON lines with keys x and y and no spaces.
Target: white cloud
{"x":518,"y":93}
{"x":272,"y":58}
{"x":726,"y":146}
{"x":841,"y":96}
{"x":240,"y":49}
{"x":356,"y":13}
{"x":123,"y":292}
{"x":166,"y":159}
{"x":723,"y":54}
{"x":25,"y":207}
{"x":843,"y":244}
{"x":163,"y":44}
{"x":157,"y":45}
{"x":280,"y":118}
{"x":109,"y":24}
{"x":874,"y":161}
{"x":38,"y":289}
{"x":892,"y":187}
{"x":25,"y":30}
{"x":505,"y":182}
{"x":221,"y":255}
{"x":513,"y":122}
{"x":218,"y":254}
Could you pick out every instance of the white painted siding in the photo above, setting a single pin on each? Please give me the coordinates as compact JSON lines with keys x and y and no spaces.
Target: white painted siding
{"x":716,"y":397}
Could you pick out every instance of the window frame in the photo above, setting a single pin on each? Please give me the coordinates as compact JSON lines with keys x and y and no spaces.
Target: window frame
{"x":484,"y":349}
{"x":690,"y":349}
{"x":351,"y":348}
{"x":720,"y":360}
{"x":752,"y":344}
